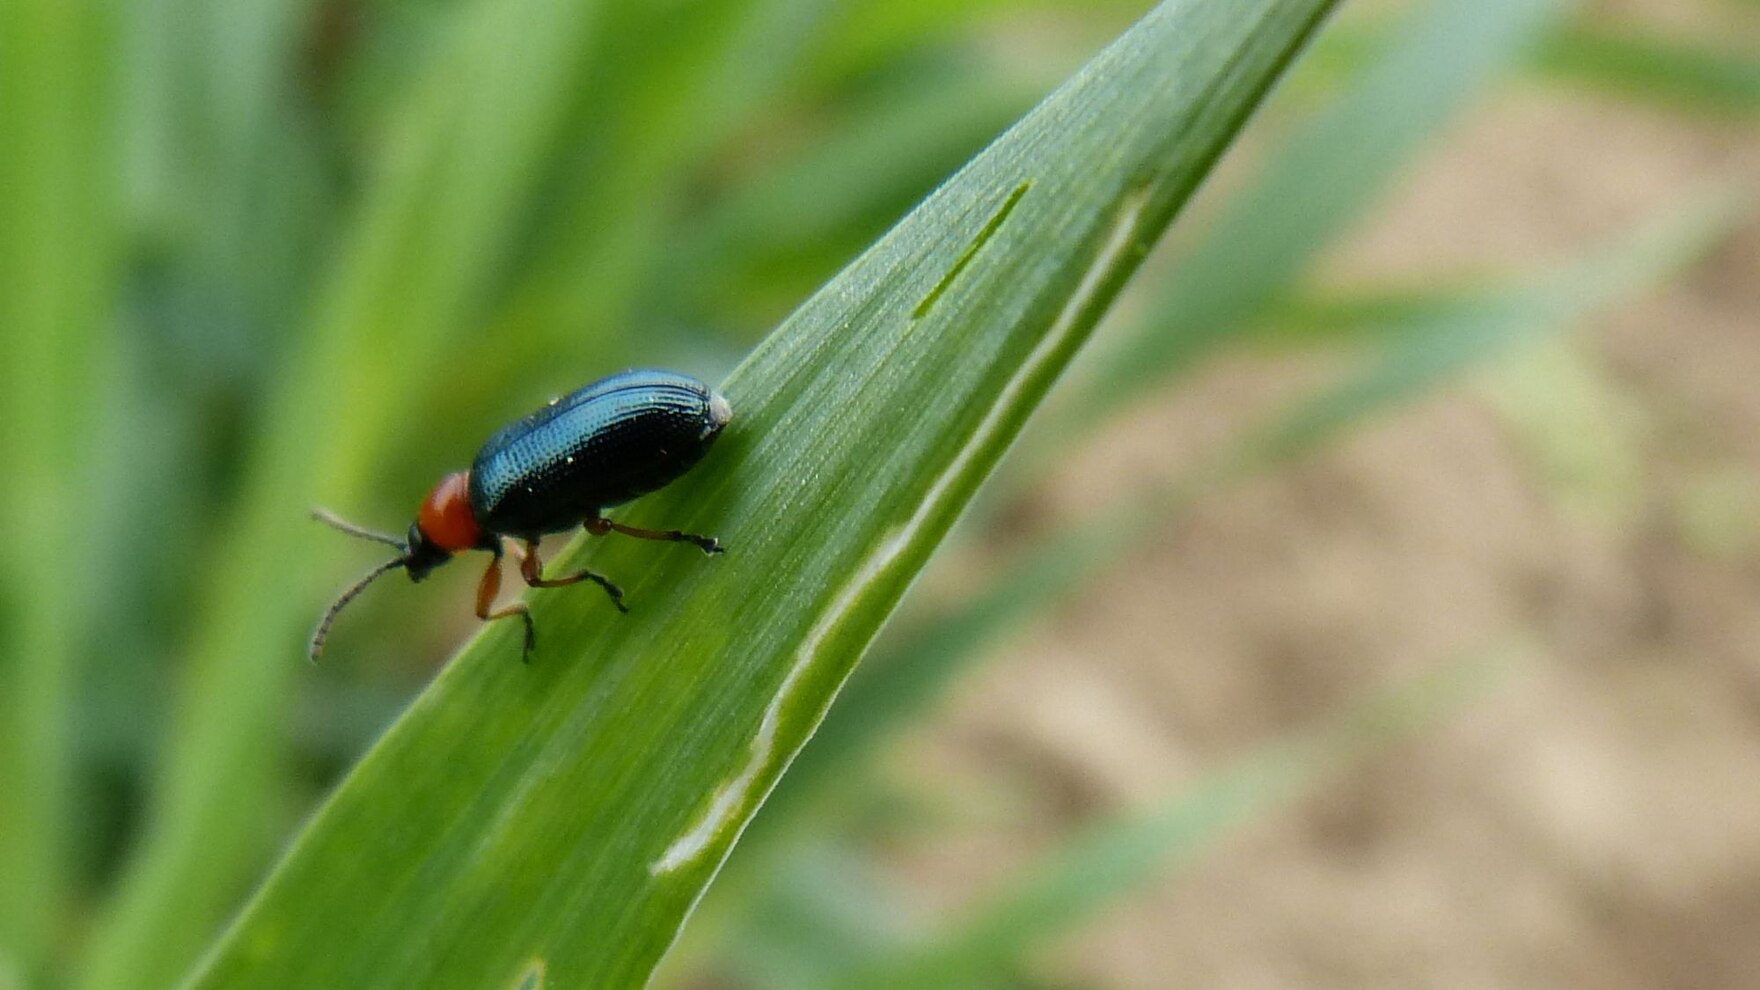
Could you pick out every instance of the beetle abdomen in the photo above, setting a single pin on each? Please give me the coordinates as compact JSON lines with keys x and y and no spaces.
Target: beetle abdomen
{"x":604,"y":444}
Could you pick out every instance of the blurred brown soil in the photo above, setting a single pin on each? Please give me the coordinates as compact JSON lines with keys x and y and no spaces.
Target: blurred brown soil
{"x":1595,"y":822}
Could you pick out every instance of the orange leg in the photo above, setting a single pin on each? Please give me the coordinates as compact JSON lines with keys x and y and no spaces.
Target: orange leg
{"x":531,"y":568}
{"x":600,"y":526}
{"x":487,"y":589}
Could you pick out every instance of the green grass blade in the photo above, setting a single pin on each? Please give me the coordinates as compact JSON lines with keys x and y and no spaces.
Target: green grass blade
{"x":1677,"y":73}
{"x":1317,"y":185}
{"x":871,"y":34}
{"x":1361,"y":315}
{"x":224,"y":180}
{"x":1455,"y":334}
{"x":1126,"y":854}
{"x":433,"y":235}
{"x":631,"y":161}
{"x":58,"y":251}
{"x":563,"y":817}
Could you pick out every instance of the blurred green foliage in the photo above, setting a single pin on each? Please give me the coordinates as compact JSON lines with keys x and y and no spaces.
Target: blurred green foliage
{"x":259,"y":255}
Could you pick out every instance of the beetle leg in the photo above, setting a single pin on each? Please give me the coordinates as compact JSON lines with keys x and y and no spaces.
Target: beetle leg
{"x":487,"y":589}
{"x":599,"y":526}
{"x":531,"y":568}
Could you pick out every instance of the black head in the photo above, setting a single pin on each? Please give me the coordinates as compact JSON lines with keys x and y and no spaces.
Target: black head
{"x":420,"y":554}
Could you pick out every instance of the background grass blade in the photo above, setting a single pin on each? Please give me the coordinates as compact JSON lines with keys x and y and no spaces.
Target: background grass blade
{"x":1322,"y":181}
{"x":430,"y":242}
{"x":628,"y":157}
{"x":58,"y":252}
{"x":1684,"y":75}
{"x":565,"y":816}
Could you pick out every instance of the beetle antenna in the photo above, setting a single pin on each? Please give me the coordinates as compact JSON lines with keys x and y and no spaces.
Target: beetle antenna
{"x":331,"y":518}
{"x":316,"y":646}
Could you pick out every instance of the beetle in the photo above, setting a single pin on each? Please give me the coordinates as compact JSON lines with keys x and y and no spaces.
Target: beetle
{"x":560,"y":467}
